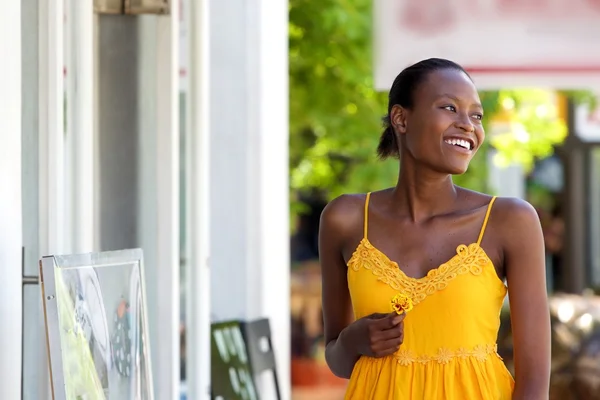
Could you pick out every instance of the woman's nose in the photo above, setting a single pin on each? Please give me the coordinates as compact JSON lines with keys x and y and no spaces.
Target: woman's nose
{"x":464,"y":123}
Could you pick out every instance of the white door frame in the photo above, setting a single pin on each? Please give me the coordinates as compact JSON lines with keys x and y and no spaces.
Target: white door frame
{"x":52,"y":144}
{"x":51,"y":141}
{"x":79,"y":174}
{"x":10,"y":201}
{"x":167,"y":349}
{"x":198,"y":202}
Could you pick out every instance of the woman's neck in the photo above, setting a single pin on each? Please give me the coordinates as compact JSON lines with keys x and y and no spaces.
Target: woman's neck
{"x":421,"y":194}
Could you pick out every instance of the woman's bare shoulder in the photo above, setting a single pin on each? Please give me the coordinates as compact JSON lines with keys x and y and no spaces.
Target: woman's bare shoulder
{"x":343,"y":213}
{"x":515,"y":222}
{"x":515,"y":212}
{"x":507,"y":213}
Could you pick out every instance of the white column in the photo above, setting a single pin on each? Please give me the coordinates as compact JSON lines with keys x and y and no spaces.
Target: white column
{"x":51,"y":86}
{"x":10,"y":200}
{"x":166,"y":352}
{"x":51,"y":138}
{"x":147,"y":172}
{"x":249,"y":168}
{"x":96,"y":133}
{"x":198,"y":276}
{"x":35,"y":365}
{"x":230,"y":180}
{"x":274,"y":175}
{"x":80,"y":126}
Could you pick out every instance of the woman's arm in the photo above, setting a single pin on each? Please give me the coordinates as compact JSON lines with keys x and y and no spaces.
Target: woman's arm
{"x":337,"y":220}
{"x":524,"y":263}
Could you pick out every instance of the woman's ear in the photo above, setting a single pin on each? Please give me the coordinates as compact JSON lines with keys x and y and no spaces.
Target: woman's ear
{"x":398,"y":118}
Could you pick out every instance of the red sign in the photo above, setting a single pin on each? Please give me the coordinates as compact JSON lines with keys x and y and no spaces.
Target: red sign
{"x":503,"y":43}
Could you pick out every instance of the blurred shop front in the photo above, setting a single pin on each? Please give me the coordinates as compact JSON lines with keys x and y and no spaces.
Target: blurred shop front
{"x":564,"y":188}
{"x":146,"y":124}
{"x":581,"y":200}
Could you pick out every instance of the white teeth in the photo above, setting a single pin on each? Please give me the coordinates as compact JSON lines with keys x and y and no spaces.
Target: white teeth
{"x":459,"y":142}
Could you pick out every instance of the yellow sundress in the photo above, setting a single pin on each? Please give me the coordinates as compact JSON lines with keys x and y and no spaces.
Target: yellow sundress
{"x":449,"y":350}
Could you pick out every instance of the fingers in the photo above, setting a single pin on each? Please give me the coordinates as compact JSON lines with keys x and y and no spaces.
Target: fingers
{"x":387,"y":347}
{"x":387,"y":341}
{"x":386,"y":333}
{"x":378,"y":335}
{"x":392,"y":333}
{"x":388,"y":327}
{"x":377,"y":316}
{"x":387,"y":321}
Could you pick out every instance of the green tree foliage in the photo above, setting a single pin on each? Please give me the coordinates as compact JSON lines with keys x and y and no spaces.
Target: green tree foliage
{"x":334,"y":110}
{"x":335,"y":113}
{"x":530,"y":129}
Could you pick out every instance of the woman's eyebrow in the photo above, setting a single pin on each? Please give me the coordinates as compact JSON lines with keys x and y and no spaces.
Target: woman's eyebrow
{"x":453,"y":97}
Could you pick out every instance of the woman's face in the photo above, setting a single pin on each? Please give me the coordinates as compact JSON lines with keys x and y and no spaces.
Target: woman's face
{"x":443,"y":130}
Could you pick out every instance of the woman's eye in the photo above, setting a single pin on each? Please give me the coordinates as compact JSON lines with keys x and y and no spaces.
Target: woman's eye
{"x":450,"y":108}
{"x":478,"y":116}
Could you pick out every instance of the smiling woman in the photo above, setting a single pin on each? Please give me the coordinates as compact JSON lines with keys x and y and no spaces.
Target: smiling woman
{"x":447,"y":249}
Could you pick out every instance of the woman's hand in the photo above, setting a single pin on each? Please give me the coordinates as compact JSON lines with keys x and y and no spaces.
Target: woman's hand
{"x":377,"y":335}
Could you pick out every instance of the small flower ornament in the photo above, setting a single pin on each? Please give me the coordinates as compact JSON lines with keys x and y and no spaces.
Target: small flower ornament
{"x":401,"y":303}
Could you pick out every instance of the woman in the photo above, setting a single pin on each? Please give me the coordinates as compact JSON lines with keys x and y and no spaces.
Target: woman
{"x":447,"y":248}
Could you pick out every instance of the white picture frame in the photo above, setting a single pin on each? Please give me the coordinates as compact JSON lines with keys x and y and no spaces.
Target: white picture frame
{"x":96,"y":326}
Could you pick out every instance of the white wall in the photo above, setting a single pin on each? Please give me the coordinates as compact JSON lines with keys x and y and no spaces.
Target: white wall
{"x":249,"y":233}
{"x":10,"y":200}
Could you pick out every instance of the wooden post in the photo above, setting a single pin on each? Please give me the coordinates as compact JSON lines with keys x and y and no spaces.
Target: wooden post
{"x":575,"y":155}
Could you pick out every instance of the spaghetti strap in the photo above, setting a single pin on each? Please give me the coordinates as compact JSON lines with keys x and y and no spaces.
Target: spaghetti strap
{"x":485,"y":221}
{"x":366,"y":228}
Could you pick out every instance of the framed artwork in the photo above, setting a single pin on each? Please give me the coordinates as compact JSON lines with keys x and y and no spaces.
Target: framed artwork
{"x":96,"y":326}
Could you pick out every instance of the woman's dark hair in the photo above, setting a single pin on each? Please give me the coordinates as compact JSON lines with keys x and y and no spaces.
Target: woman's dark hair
{"x":402,"y":93}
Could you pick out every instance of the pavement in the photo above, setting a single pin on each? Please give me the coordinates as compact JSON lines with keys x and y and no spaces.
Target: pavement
{"x":318,"y":393}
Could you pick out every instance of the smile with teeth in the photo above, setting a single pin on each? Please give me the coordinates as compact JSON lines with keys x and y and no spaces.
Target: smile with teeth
{"x":459,"y":142}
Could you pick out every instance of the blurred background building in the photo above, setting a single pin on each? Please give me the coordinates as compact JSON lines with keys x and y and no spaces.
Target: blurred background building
{"x":212,"y":133}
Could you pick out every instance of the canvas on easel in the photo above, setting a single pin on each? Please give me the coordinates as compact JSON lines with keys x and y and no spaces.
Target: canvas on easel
{"x":96,"y":326}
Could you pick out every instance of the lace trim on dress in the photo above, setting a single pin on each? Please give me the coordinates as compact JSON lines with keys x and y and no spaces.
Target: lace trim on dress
{"x":481,"y":353}
{"x":468,"y":259}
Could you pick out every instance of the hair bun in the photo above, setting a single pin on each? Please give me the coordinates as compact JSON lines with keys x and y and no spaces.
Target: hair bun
{"x":388,"y":145}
